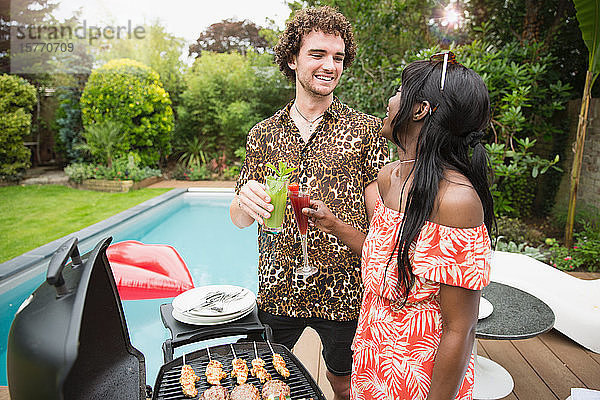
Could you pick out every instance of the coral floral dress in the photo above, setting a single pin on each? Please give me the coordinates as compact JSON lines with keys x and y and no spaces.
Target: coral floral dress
{"x":395,"y":347}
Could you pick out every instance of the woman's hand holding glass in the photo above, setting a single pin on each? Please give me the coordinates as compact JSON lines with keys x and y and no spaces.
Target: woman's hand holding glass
{"x":321,"y":217}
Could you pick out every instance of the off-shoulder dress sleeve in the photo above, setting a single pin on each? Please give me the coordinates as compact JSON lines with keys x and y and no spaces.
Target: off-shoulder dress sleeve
{"x":453,"y":256}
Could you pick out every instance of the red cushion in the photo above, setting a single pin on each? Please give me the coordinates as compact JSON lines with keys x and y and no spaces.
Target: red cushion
{"x":148,"y":271}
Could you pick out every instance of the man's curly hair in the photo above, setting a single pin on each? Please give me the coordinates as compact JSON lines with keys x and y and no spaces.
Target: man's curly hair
{"x":325,"y":19}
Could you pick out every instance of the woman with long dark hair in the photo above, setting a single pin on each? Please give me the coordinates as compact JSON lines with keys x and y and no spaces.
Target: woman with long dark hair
{"x":426,"y":255}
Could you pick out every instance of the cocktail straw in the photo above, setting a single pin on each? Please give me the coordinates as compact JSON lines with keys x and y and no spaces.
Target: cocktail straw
{"x":232,"y":350}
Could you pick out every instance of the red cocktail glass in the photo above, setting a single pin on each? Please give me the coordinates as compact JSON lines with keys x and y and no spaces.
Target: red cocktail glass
{"x":300,"y":197}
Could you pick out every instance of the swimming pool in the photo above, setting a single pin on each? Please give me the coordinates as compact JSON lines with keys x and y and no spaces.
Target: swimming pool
{"x":197,"y":224}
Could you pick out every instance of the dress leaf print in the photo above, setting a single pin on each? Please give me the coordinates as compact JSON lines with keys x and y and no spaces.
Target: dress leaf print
{"x":395,"y":347}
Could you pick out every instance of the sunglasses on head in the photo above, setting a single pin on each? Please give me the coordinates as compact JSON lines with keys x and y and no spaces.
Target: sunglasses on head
{"x":447,"y":57}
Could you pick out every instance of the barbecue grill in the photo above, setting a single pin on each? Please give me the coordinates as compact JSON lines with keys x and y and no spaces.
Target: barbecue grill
{"x":301,"y":384}
{"x":69,"y":341}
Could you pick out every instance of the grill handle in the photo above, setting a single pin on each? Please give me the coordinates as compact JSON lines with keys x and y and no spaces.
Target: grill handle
{"x":58,"y":262}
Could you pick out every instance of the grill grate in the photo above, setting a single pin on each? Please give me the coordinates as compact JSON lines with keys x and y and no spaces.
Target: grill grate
{"x":302,"y":385}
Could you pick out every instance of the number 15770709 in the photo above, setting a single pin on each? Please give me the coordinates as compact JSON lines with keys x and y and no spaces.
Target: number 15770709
{"x":47,"y":47}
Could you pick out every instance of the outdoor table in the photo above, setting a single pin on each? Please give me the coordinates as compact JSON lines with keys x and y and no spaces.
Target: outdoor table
{"x":516,"y":315}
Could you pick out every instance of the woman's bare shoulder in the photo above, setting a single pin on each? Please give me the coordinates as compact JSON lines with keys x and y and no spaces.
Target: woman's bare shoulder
{"x":458,"y":204}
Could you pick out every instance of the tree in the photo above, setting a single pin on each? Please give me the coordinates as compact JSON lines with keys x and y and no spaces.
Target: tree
{"x":130,"y":93}
{"x":17,"y":13}
{"x":159,"y":50}
{"x":588,"y":14}
{"x":230,"y":36}
{"x":17,"y":98}
{"x":42,"y":70}
{"x":549,"y":22}
{"x":384,"y":32}
{"x":226,"y":94}
{"x":552,"y":26}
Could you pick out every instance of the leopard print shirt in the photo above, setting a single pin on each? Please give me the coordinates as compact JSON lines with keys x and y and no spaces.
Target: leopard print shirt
{"x":343,"y":156}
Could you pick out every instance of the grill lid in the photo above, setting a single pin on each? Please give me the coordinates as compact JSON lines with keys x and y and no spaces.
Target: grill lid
{"x":70,"y":338}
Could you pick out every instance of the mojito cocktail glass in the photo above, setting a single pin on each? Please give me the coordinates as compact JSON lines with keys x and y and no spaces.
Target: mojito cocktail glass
{"x":277,"y":190}
{"x":300,"y":198}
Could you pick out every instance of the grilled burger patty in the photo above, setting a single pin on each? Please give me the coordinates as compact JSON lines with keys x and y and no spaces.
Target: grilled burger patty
{"x":246,"y":391}
{"x":275,"y":387}
{"x":215,"y":393}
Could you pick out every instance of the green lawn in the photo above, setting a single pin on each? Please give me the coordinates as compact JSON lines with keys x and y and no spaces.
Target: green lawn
{"x":31,"y":216}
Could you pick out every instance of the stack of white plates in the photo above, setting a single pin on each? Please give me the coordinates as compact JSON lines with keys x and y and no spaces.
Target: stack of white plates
{"x":213,"y":304}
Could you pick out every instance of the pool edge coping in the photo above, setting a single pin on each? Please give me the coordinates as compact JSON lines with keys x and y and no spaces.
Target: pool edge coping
{"x":33,"y":257}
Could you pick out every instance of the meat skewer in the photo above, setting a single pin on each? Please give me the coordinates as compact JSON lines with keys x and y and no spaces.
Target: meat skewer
{"x":279,"y":363}
{"x":276,"y":390}
{"x":215,"y":392}
{"x":240,"y":369}
{"x":214,"y":371}
{"x":246,"y":391}
{"x":188,"y":380}
{"x":258,"y":367}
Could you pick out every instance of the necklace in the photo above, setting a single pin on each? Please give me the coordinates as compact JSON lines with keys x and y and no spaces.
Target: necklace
{"x":396,"y":169}
{"x":310,"y":123}
{"x":407,"y":161}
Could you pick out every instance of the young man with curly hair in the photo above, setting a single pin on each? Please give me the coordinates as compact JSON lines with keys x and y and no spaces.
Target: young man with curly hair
{"x":338,"y":152}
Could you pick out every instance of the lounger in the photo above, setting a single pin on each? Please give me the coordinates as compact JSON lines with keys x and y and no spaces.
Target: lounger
{"x":575,"y":302}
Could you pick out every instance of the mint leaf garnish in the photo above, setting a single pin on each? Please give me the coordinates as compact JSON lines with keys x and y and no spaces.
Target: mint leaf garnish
{"x":281,"y":170}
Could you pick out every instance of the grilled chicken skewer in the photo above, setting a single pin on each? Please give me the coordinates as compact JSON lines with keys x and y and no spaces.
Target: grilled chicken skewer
{"x":240,"y":369}
{"x":279,"y":363}
{"x":188,"y":380}
{"x":214,"y":371}
{"x":258,"y":368}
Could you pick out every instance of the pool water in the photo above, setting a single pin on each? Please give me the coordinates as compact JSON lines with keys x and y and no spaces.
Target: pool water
{"x":199,"y":228}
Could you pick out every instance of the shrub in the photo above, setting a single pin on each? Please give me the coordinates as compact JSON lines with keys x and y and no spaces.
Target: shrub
{"x":78,"y":172}
{"x":124,"y":168}
{"x":562,"y":258}
{"x":17,"y":98}
{"x":522,"y":248}
{"x":70,"y":127}
{"x":587,"y":245}
{"x":515,"y":172}
{"x":240,"y":152}
{"x":231,"y":173}
{"x":513,"y":230}
{"x":192,"y":152}
{"x":226,"y":95}
{"x":584,"y":214}
{"x":101,"y":139}
{"x":129,"y":168}
{"x":192,"y":173}
{"x":131,"y":94}
{"x":214,"y":84}
{"x":585,"y":252}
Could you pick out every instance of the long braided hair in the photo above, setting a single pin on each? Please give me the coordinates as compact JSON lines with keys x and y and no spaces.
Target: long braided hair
{"x":459,"y":115}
